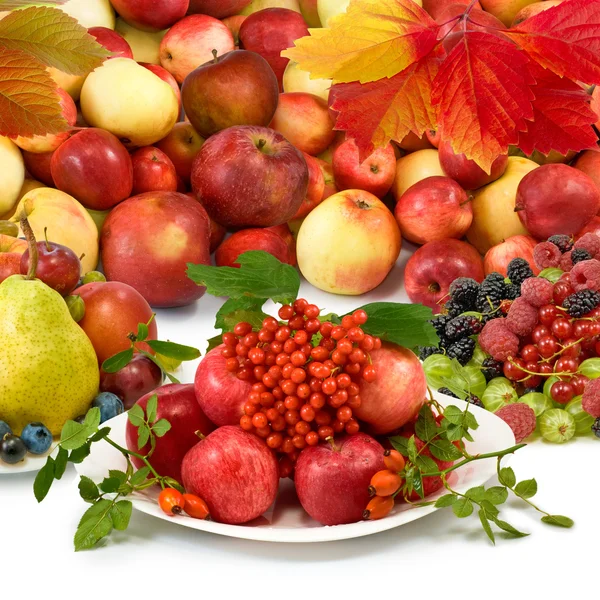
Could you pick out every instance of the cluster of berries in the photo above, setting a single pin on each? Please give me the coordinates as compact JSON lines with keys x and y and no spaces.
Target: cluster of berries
{"x":302,"y":391}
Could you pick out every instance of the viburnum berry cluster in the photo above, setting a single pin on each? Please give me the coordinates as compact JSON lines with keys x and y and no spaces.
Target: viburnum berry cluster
{"x":305,"y":376}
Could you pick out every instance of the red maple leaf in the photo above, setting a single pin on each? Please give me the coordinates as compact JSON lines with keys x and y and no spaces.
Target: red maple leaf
{"x":562,"y":116}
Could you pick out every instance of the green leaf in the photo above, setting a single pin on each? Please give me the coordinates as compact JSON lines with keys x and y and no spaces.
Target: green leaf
{"x":172,"y":350}
{"x":170,"y":376}
{"x":462,"y":508}
{"x":454,"y":414}
{"x":88,"y":490}
{"x":75,"y":435}
{"x":489,"y":508}
{"x":400,"y":443}
{"x":136,"y":415}
{"x":60,"y":463}
{"x":506,"y":476}
{"x":496,"y":495}
{"x":412,"y":449}
{"x":426,"y":427}
{"x":527,"y":488}
{"x":446,"y":500}
{"x":486,"y":526}
{"x":151,"y":408}
{"x":43,"y":480}
{"x":509,"y":528}
{"x":100,"y":434}
{"x":235,"y":310}
{"x":110,"y":485}
{"x":476,"y":493}
{"x":213,"y":342}
{"x":426,"y":464}
{"x":80,"y":454}
{"x":417,"y":484}
{"x":118,"y":361}
{"x":92,"y":418}
{"x":142,"y":332}
{"x":143,"y":435}
{"x":120,"y":513}
{"x":140,"y":476}
{"x":95,"y":524}
{"x":551,"y":274}
{"x":121,"y":476}
{"x":558,"y":521}
{"x":174,"y":484}
{"x":444,"y":450}
{"x":260,"y":275}
{"x":161,"y":427}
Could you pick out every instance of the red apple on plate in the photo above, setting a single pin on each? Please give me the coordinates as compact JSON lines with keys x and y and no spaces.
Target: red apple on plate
{"x":163,"y":74}
{"x":94,"y":167}
{"x":11,"y":250}
{"x":181,"y":146}
{"x":151,"y":15}
{"x":251,"y":239}
{"x":218,"y":9}
{"x":177,"y":404}
{"x":433,"y":267}
{"x":237,"y":88}
{"x":316,"y":186}
{"x":234,"y":473}
{"x":219,"y":392}
{"x":38,"y":165}
{"x":112,"y":41}
{"x":249,"y":176}
{"x":269,"y":32}
{"x":517,"y":246}
{"x":398,"y":392}
{"x":191,"y":42}
{"x":434,"y":209}
{"x":332,"y":481}
{"x":147,"y":242}
{"x":153,"y":171}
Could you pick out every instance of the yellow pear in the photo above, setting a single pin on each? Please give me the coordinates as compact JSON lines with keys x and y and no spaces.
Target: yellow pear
{"x":129,"y":101}
{"x":145,"y":45}
{"x":12,"y":174}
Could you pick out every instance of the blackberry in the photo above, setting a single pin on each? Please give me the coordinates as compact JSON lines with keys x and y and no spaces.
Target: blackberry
{"x":462,"y":327}
{"x":474,"y":400}
{"x":513,"y":291}
{"x":580,"y":254}
{"x":519,"y":270}
{"x":453,"y":309}
{"x":427,"y":351}
{"x":439,"y":324}
{"x":595,"y":427}
{"x":491,"y":293}
{"x":462,"y":350}
{"x":492,"y":368}
{"x":445,"y":390}
{"x":463,"y":293}
{"x":581,"y":303}
{"x":563,"y":242}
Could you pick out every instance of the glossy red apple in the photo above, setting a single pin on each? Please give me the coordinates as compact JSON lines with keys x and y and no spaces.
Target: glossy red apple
{"x":556,"y":198}
{"x":434,"y":209}
{"x":38,"y":166}
{"x":332,"y":481}
{"x":163,"y":74}
{"x":433,"y":267}
{"x":316,"y":186}
{"x":218,"y":9}
{"x":151,"y":15}
{"x":153,"y":171}
{"x":181,"y":146}
{"x":250,"y":239}
{"x":217,"y":232}
{"x":269,"y":32}
{"x":374,"y":174}
{"x":94,"y":167}
{"x":177,"y":404}
{"x":147,"y":242}
{"x":237,"y":88}
{"x":249,"y":177}
{"x":517,"y":246}
{"x":234,"y":472}
{"x":112,"y":41}
{"x":285,"y":233}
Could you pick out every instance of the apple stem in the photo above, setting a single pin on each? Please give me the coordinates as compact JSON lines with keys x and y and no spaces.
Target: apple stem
{"x":331,"y":442}
{"x":200,"y":434}
{"x":33,"y":249}
{"x":48,"y":248}
{"x":261,"y":143}
{"x":214,"y":53}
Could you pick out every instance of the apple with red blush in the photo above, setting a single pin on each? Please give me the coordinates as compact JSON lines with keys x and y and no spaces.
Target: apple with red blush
{"x":219,"y":9}
{"x":330,"y":187}
{"x":287,"y":236}
{"x":151,"y":15}
{"x":112,"y":41}
{"x":153,"y":171}
{"x":434,"y":136}
{"x":217,"y":232}
{"x":251,"y":239}
{"x":163,"y":74}
{"x":498,"y":257}
{"x":592,"y":227}
{"x":182,"y":145}
{"x":588,"y":162}
{"x":38,"y":166}
{"x":316,"y":186}
{"x":11,"y":250}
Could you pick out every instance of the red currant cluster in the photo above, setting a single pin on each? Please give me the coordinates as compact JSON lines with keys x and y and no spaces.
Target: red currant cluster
{"x":305,"y":376}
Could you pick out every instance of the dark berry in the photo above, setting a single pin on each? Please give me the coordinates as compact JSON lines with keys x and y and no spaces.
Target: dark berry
{"x":518,"y":271}
{"x":12,"y":449}
{"x":581,"y":303}
{"x":513,"y":291}
{"x":580,"y":254}
{"x":110,"y":405}
{"x":427,"y":351}
{"x":462,"y":350}
{"x":439,"y":324}
{"x":462,"y":327}
{"x":37,"y":438}
{"x":473,"y":399}
{"x":453,"y":309}
{"x":563,"y":242}
{"x":492,"y":368}
{"x":4,"y":429}
{"x":491,"y":293}
{"x":463,"y":293}
{"x":595,"y":427}
{"x":447,"y":392}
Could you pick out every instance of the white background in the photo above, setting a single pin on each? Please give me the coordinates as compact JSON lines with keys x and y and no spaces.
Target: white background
{"x":438,"y":556}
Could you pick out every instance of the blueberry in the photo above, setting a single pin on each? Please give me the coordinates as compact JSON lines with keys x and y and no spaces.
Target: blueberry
{"x":12,"y":449}
{"x":4,"y":429}
{"x":110,"y":405}
{"x":37,"y":438}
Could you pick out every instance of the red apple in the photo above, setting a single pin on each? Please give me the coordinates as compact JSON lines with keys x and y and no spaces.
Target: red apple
{"x":163,"y":74}
{"x":112,"y":41}
{"x":191,"y":42}
{"x":374,"y":174}
{"x":398,"y":392}
{"x":588,"y":162}
{"x":220,"y":393}
{"x":592,"y":227}
{"x":181,"y":146}
{"x":94,"y":167}
{"x":517,"y":246}
{"x":11,"y":250}
{"x":217,"y":232}
{"x":466,"y":172}
{"x":434,"y":209}
{"x":217,"y":8}
{"x":151,"y":15}
{"x":304,"y":120}
{"x":332,"y":481}
{"x":153,"y":171}
{"x":269,"y":32}
{"x":251,"y":239}
{"x":177,"y":404}
{"x":249,"y":177}
{"x":38,"y":166}
{"x":434,"y":137}
{"x":330,"y":187}
{"x":433,"y":267}
{"x":555,"y":199}
{"x":238,"y":88}
{"x":234,"y":472}
{"x":284,"y":232}
{"x":113,"y":311}
{"x":316,"y":186}
{"x":147,"y":242}
{"x":434,"y":7}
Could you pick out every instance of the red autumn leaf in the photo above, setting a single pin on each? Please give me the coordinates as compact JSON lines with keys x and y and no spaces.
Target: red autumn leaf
{"x":564,"y":39}
{"x":562,"y":116}
{"x":29,"y":104}
{"x":483,"y":97}
{"x":375,"y":113}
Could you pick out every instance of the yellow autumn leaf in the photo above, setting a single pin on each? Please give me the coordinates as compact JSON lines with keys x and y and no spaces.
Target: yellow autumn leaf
{"x":372,"y":40}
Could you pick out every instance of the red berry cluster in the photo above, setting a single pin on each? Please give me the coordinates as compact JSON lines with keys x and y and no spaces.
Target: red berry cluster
{"x":305,"y":376}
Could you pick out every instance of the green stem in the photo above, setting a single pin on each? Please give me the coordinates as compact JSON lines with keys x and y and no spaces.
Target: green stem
{"x":144,"y":459}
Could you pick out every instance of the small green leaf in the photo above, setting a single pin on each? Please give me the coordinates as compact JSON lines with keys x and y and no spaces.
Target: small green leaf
{"x":558,"y":521}
{"x":174,"y":484}
{"x":446,"y":500}
{"x":143,"y":435}
{"x":426,"y":427}
{"x":74,"y":435}
{"x":506,"y":476}
{"x":88,"y":490}
{"x":92,"y":418}
{"x":444,"y":450}
{"x":417,"y":484}
{"x":100,"y":434}
{"x":60,"y":463}
{"x":412,"y":449}
{"x":489,"y":508}
{"x":496,"y":495}
{"x":161,"y":427}
{"x":43,"y":480}
{"x":213,"y":342}
{"x":120,"y":513}
{"x":95,"y":524}
{"x":172,"y":350}
{"x":454,"y":414}
{"x":486,"y":526}
{"x":118,"y":361}
{"x":509,"y":528}
{"x":151,"y":408}
{"x":400,"y":443}
{"x":140,"y":476}
{"x":426,"y":464}
{"x":462,"y":508}
{"x":110,"y":485}
{"x":119,"y":475}
{"x":527,"y":488}
{"x":246,"y":309}
{"x":476,"y":493}
{"x":136,"y":415}
{"x":142,"y":332}
{"x":80,"y":454}
{"x":551,"y":274}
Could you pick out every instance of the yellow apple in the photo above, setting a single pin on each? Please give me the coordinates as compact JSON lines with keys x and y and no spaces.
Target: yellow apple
{"x":552,"y":158}
{"x":72,"y":84}
{"x":505,"y":10}
{"x":28,"y":185}
{"x":412,"y":142}
{"x":91,"y":13}
{"x":129,"y":101}
{"x":145,"y":45}
{"x":67,"y":222}
{"x":348,"y":243}
{"x":297,"y":80}
{"x":257,"y":5}
{"x":534,"y":9}
{"x":415,"y":167}
{"x":494,"y":216}
{"x":12,"y":174}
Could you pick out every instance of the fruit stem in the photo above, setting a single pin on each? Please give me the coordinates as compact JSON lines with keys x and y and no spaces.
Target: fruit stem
{"x":214,"y":53}
{"x":200,"y":434}
{"x":48,"y":248}
{"x":261,"y":143}
{"x":33,"y":250}
{"x":144,"y":459}
{"x":331,"y":442}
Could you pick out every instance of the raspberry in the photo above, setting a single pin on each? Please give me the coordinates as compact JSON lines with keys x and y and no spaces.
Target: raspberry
{"x":520,"y":418}
{"x":519,"y":270}
{"x":462,"y":350}
{"x":546,"y":255}
{"x":579,"y":255}
{"x":491,"y":368}
{"x":589,"y":242}
{"x":566,"y":262}
{"x":498,"y":340}
{"x":590,"y":401}
{"x":427,"y":351}
{"x":463,"y":293}
{"x":462,"y":327}
{"x":563,"y":242}
{"x":586,"y":275}
{"x":491,"y":293}
{"x":447,"y":392}
{"x":537,"y":291}
{"x":522,"y":317}
{"x":581,"y":303}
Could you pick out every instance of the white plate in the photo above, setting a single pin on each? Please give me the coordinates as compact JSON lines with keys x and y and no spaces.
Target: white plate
{"x":286,"y":521}
{"x":29,"y":464}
